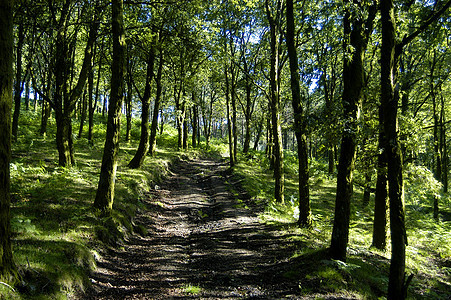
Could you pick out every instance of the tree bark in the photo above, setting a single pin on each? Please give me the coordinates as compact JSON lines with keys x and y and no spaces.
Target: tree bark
{"x":229,"y":120}
{"x":8,"y":271}
{"x":156,"y":107}
{"x":84,"y":107}
{"x":143,"y":147}
{"x":305,"y":215}
{"x":194,"y":124}
{"x":105,"y":191}
{"x":381,"y":196}
{"x":275,"y":104}
{"x":18,"y":87}
{"x":354,"y":43}
{"x":393,"y":150}
{"x":128,"y":102}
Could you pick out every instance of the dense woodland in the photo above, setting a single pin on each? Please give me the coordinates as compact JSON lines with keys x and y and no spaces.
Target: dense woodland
{"x":356,"y":91}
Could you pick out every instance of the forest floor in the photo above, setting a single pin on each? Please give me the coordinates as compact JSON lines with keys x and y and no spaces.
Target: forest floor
{"x":204,"y":240}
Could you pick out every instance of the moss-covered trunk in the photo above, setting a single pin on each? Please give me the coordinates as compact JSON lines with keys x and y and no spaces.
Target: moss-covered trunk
{"x":105,"y":191}
{"x":8,"y":270}
{"x":355,"y":40}
{"x":381,"y":196}
{"x":305,"y":217}
{"x":275,"y":101}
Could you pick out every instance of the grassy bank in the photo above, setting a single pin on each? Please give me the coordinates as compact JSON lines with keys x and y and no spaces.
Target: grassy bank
{"x":365,"y":275}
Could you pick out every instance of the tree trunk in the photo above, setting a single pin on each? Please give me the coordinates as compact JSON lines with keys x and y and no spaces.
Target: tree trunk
{"x":91,"y":103}
{"x":143,"y":147}
{"x":18,"y":87}
{"x":84,"y":107}
{"x":156,"y":108}
{"x":393,"y":151}
{"x":233,"y":102}
{"x":229,"y":120}
{"x":8,"y":270}
{"x":443,"y":146}
{"x":185,"y":134}
{"x":128,"y":105}
{"x":105,"y":191}
{"x":381,"y":196}
{"x":64,"y":99}
{"x":27,"y":93}
{"x":194,"y":125}
{"x":305,"y":215}
{"x":354,"y":43}
{"x":275,"y":105}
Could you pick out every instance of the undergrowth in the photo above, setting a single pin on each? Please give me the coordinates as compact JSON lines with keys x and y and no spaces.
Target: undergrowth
{"x":365,"y":274}
{"x":56,"y":234}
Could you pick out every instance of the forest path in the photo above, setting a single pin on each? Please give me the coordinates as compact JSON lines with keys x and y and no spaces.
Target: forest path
{"x":203,"y":242}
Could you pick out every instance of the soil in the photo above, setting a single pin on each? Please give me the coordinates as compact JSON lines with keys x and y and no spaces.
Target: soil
{"x":204,"y":241}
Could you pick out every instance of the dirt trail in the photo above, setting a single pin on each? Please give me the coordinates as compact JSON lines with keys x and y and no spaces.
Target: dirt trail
{"x":200,"y":235}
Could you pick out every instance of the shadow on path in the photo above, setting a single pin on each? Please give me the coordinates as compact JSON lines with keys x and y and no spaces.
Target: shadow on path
{"x":201,"y":243}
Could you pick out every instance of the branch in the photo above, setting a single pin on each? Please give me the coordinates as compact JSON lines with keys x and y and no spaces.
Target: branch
{"x":407,"y":39}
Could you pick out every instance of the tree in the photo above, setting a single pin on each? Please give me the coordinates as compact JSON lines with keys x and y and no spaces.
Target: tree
{"x":274,"y":18}
{"x":390,"y":53}
{"x":105,"y":191}
{"x":18,"y":86}
{"x":8,"y":270}
{"x":143,"y":147}
{"x":356,"y":34}
{"x":305,"y":218}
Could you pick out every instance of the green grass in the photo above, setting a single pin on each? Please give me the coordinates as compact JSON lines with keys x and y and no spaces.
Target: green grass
{"x":57,"y":235}
{"x":191,"y":289}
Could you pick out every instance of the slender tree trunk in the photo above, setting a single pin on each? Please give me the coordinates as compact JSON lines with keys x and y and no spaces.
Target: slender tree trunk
{"x":229,"y":121}
{"x":84,"y":107}
{"x":185,"y":134}
{"x":233,"y":102}
{"x":194,"y":124}
{"x":27,"y":93}
{"x":105,"y":191}
{"x":275,"y":105}
{"x":156,"y":107}
{"x":128,"y":102}
{"x":8,"y":271}
{"x":305,"y":216}
{"x":444,"y":146}
{"x":143,"y":147}
{"x":18,"y":88}
{"x":91,"y":103}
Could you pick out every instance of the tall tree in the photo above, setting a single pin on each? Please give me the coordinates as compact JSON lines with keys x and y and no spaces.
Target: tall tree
{"x":356,"y":34}
{"x":143,"y":147}
{"x":274,"y":16}
{"x":18,"y":87}
{"x":157,"y":104}
{"x":391,"y":50}
{"x":65,"y":99}
{"x":8,"y":270}
{"x":305,"y":217}
{"x":105,"y":191}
